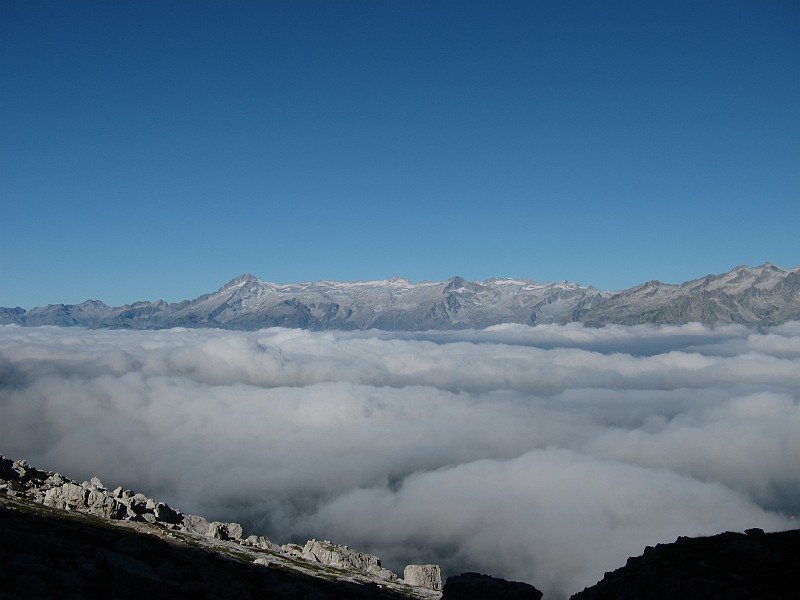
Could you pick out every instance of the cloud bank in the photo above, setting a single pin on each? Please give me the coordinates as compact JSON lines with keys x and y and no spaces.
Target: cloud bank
{"x":546,"y":454}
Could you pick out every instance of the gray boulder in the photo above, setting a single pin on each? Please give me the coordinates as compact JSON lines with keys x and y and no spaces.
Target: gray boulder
{"x":165,"y":514}
{"x":259,"y":541}
{"x":427,"y":576}
{"x":217,"y":530}
{"x":225,"y":531}
{"x":71,"y":496}
{"x":194,"y":524}
{"x":342,"y":557}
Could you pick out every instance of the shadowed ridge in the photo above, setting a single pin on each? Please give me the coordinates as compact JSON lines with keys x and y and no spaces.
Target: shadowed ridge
{"x":48,"y":553}
{"x":729,"y":565}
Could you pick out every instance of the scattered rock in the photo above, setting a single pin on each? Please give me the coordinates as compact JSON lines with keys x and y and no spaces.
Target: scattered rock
{"x":125,"y":567}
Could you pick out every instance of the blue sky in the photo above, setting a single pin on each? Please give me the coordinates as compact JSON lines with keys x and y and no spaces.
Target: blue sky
{"x":158,"y":149}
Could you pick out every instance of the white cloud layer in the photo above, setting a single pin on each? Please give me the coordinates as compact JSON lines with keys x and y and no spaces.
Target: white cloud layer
{"x":546,"y":454}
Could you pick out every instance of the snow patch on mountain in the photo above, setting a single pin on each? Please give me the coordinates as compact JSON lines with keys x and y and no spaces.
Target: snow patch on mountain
{"x":763,"y":295}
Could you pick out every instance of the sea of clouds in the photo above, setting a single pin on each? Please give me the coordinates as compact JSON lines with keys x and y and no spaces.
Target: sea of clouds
{"x":546,"y":454}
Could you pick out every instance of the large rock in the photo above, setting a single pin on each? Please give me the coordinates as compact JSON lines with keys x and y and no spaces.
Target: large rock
{"x":195,"y":524}
{"x":260,"y":541}
{"x":225,"y":531}
{"x":166,"y":514}
{"x":427,"y":576}
{"x":71,"y":496}
{"x":215,"y":529}
{"x":474,"y":586}
{"x":342,"y":557}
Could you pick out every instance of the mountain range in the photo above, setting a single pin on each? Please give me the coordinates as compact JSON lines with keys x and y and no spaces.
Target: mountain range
{"x":763,"y":295}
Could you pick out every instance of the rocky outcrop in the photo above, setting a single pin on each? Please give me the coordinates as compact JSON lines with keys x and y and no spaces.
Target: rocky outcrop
{"x":470,"y":586}
{"x":215,"y":529}
{"x":746,"y":565}
{"x":427,"y":576}
{"x":55,"y":551}
{"x":259,"y":541}
{"x":19,"y":480}
{"x":90,"y":497}
{"x":342,"y":557}
{"x":48,"y":553}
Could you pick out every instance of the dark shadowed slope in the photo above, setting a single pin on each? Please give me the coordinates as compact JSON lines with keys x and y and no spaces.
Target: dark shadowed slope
{"x":747,"y":566}
{"x":50,"y":553}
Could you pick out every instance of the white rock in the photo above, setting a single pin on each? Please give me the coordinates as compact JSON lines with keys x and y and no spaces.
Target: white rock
{"x":225,"y":531}
{"x":427,"y":576}
{"x":76,"y":497}
{"x":67,"y":496}
{"x":195,"y":524}
{"x":292,"y":550}
{"x":342,"y":557}
{"x":259,"y":541}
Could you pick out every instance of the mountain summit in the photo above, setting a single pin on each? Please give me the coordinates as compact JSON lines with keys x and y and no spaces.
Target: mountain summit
{"x":763,"y":295}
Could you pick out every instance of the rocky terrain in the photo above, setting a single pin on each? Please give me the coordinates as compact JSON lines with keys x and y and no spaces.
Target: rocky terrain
{"x":61,"y":538}
{"x":764,"y":295}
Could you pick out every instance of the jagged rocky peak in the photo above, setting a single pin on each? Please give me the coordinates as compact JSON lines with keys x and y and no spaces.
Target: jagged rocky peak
{"x":456,"y":283}
{"x":764,"y":295}
{"x":242,"y":281}
{"x":398,"y":281}
{"x":92,"y":304}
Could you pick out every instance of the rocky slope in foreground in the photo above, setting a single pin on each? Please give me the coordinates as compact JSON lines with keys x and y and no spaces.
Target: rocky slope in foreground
{"x":61,"y":539}
{"x":764,"y":295}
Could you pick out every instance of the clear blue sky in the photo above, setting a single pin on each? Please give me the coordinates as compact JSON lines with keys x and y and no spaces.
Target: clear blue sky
{"x":156,"y":149}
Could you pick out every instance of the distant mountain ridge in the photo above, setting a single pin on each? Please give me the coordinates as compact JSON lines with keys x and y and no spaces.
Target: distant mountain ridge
{"x":763,"y":295}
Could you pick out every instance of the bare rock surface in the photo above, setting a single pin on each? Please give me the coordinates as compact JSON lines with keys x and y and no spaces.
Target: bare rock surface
{"x":62,"y":539}
{"x":342,"y":557}
{"x":138,"y":546}
{"x":428,"y":576}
